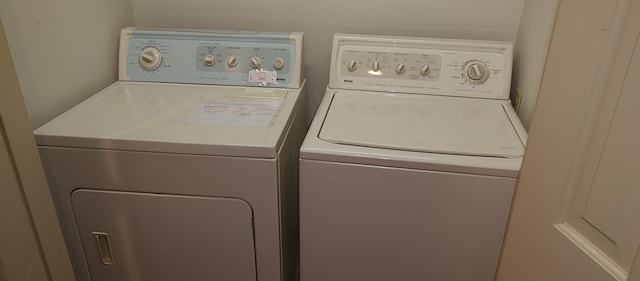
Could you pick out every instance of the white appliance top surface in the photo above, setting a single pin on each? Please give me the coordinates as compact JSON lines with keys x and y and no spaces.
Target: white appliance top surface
{"x":421,"y":123}
{"x":177,"y":118}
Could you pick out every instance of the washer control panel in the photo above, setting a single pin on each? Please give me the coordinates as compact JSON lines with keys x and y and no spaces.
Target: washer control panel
{"x":468,"y":68}
{"x":211,"y":57}
{"x":367,"y":63}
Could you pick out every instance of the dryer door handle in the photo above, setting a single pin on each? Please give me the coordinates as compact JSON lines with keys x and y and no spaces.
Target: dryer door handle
{"x":103,"y":247}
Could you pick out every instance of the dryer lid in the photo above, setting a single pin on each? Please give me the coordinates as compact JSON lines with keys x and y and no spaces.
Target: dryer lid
{"x":421,"y":123}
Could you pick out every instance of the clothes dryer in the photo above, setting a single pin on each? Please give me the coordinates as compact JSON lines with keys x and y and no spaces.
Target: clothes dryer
{"x":409,"y":167}
{"x":185,"y":168}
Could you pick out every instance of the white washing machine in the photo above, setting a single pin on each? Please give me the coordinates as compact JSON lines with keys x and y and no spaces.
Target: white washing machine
{"x":410,"y":164}
{"x":185,"y":168}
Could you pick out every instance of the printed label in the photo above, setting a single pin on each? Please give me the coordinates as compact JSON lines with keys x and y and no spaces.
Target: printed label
{"x":263,"y":76}
{"x":239,"y":113}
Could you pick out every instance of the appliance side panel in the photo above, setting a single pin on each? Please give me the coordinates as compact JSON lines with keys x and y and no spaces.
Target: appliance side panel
{"x":288,"y":171}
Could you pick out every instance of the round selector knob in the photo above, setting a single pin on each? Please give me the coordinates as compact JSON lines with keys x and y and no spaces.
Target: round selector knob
{"x":150,"y":58}
{"x":209,"y":60}
{"x":255,"y":62}
{"x":400,"y":68}
{"x":424,"y":69}
{"x":232,"y":61}
{"x":278,"y":63}
{"x":352,"y":65}
{"x":375,"y":66}
{"x":476,"y":72}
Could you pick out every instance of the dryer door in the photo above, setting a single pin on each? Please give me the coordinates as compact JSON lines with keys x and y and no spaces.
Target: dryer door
{"x":140,"y":236}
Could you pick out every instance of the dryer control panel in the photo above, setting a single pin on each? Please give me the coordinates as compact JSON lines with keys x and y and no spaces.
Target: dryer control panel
{"x":448,"y":67}
{"x":211,"y":57}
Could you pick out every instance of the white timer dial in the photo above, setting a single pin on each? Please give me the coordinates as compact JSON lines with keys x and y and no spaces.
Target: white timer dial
{"x":352,"y":65}
{"x":476,"y":72}
{"x":150,"y":58}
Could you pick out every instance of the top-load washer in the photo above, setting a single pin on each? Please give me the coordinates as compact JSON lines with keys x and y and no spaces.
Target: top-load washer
{"x":185,"y":168}
{"x":410,"y":164}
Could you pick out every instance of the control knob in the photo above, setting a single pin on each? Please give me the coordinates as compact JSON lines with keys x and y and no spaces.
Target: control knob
{"x":209,"y":60}
{"x":232,"y":61}
{"x":278,"y":63}
{"x":255,"y":62}
{"x":375,"y":66}
{"x":476,"y":72}
{"x":400,"y":68}
{"x":424,"y":69}
{"x":352,"y":65}
{"x":150,"y":58}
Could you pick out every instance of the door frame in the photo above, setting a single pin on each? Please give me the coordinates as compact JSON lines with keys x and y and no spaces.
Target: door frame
{"x":27,"y":168}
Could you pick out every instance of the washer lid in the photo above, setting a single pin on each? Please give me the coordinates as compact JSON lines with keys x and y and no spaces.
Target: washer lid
{"x":177,"y":118}
{"x":422,"y":123}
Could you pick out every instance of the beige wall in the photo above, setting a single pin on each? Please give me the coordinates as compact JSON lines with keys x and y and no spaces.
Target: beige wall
{"x":532,"y":44}
{"x":66,"y":50}
{"x":489,"y":19}
{"x":63,"y":50}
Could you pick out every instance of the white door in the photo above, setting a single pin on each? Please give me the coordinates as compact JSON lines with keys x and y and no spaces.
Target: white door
{"x":576,"y":213}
